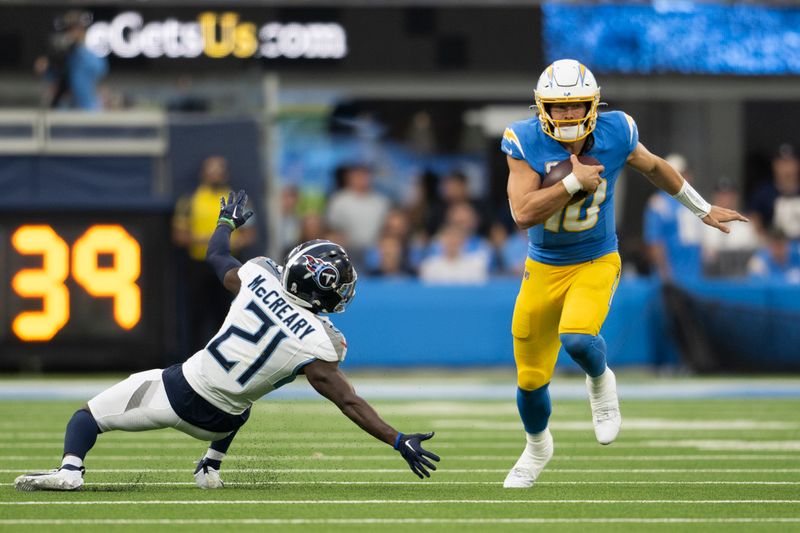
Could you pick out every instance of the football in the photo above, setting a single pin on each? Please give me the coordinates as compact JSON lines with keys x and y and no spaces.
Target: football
{"x":562,"y":170}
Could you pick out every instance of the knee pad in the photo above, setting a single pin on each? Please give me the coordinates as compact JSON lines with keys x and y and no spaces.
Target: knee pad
{"x":84,"y":417}
{"x":530,"y":380}
{"x":589,"y":351}
{"x":577,"y":344}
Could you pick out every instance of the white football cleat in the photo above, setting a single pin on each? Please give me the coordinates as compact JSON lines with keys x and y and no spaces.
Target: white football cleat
{"x":59,"y":479}
{"x":530,"y":464}
{"x":207,"y":477}
{"x":605,"y":406}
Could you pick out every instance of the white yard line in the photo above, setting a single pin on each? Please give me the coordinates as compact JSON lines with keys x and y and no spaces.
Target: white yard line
{"x":389,"y":502}
{"x":429,"y":482}
{"x":726,"y":444}
{"x":389,"y":457}
{"x":477,"y":424}
{"x":388,"y":521}
{"x":720,"y":444}
{"x":448,"y":470}
{"x":634,"y":424}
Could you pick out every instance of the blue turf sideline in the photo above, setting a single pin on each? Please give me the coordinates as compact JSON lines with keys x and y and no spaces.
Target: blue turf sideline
{"x":446,"y":389}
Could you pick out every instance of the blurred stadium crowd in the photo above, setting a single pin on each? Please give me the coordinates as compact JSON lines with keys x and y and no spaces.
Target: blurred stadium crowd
{"x":443,"y":231}
{"x":443,"y":234}
{"x":413,"y":185}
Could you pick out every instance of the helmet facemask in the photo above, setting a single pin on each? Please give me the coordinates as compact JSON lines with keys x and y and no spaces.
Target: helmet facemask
{"x":567,"y":81}
{"x":346,"y":291}
{"x":570,"y":130}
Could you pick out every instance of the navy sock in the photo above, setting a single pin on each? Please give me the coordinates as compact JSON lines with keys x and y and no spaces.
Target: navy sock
{"x":222,"y":445}
{"x":81,"y":434}
{"x":589,"y":351}
{"x":534,"y":408}
{"x":213,"y":463}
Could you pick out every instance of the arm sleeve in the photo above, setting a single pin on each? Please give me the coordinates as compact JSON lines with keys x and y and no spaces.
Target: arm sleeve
{"x":511,"y":144}
{"x":219,"y":252}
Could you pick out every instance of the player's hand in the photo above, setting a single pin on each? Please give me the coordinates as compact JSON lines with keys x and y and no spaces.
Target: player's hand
{"x":588,"y":175}
{"x":410,"y":447}
{"x":718,"y":215}
{"x":233,"y":212}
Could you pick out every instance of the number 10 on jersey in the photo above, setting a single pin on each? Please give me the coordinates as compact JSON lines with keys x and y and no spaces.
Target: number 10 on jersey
{"x":571,"y":213}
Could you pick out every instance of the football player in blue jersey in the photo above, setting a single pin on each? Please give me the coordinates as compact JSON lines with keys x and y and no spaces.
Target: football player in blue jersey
{"x":573,"y":265}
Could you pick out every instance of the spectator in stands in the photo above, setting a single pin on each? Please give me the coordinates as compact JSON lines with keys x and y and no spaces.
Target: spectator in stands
{"x":673,"y":234}
{"x":312,"y":226}
{"x":463,"y":214}
{"x":425,"y":205}
{"x":778,"y":260}
{"x":357,"y":211}
{"x":508,"y":250}
{"x":290,"y":220}
{"x":727,"y":255}
{"x":498,"y":235}
{"x":71,"y":70}
{"x":397,"y":226}
{"x":391,"y":257}
{"x":420,"y":136}
{"x":455,"y":190}
{"x":194,"y":221}
{"x":454,"y":266}
{"x":778,"y":203}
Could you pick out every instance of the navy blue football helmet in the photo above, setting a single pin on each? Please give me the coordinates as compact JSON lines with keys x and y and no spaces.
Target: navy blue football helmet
{"x":319,"y":276}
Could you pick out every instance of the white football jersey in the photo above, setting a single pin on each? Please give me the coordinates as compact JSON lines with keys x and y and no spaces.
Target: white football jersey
{"x":263,"y":343}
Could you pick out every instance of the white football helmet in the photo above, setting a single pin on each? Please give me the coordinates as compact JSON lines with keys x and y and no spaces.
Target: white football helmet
{"x":567,"y":80}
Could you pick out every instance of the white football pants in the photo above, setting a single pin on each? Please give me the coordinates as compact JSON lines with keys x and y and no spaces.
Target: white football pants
{"x":140,"y":403}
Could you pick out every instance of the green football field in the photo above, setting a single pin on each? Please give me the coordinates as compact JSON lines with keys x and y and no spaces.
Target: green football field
{"x":299,"y":465}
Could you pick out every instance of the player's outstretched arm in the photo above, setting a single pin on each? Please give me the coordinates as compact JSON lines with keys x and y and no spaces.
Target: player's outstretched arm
{"x":531,"y":204}
{"x":665,"y":177}
{"x":330,"y":382}
{"x":231,"y":216}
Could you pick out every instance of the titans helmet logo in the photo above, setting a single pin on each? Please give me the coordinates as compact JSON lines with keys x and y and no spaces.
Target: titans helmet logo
{"x":325,"y":274}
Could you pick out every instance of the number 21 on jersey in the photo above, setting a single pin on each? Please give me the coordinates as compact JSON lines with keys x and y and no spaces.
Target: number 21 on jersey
{"x":252,"y":338}
{"x":571,"y":213}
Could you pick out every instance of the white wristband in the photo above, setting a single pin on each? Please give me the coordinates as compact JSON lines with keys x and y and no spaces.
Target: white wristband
{"x":692,"y":200}
{"x":572,"y":184}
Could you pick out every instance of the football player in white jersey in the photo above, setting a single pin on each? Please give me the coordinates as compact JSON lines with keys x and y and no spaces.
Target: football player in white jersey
{"x":274,"y":330}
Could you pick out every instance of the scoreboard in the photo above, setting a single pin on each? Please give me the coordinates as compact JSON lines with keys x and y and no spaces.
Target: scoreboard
{"x":85,"y":290}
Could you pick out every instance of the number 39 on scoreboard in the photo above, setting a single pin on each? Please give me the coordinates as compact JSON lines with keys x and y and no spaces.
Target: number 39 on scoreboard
{"x":117,"y":278}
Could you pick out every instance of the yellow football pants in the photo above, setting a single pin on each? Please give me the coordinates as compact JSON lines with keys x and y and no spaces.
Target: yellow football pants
{"x":555,"y":299}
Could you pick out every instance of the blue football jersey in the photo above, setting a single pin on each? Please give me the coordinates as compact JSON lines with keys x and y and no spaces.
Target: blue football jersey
{"x":585,"y":230}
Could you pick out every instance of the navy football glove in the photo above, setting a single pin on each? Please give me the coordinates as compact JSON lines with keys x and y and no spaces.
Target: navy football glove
{"x":233,"y":212}
{"x":411,"y":449}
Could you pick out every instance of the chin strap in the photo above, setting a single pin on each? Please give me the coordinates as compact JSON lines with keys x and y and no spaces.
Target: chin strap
{"x":690,"y":198}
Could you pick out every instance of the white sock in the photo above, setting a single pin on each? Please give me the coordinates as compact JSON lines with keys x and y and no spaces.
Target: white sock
{"x":72,"y":461}
{"x":214,"y":455}
{"x":599,"y":380}
{"x":536,"y":438}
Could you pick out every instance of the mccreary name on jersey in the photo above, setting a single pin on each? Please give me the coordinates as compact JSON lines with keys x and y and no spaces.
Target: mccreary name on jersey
{"x":280,"y":306}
